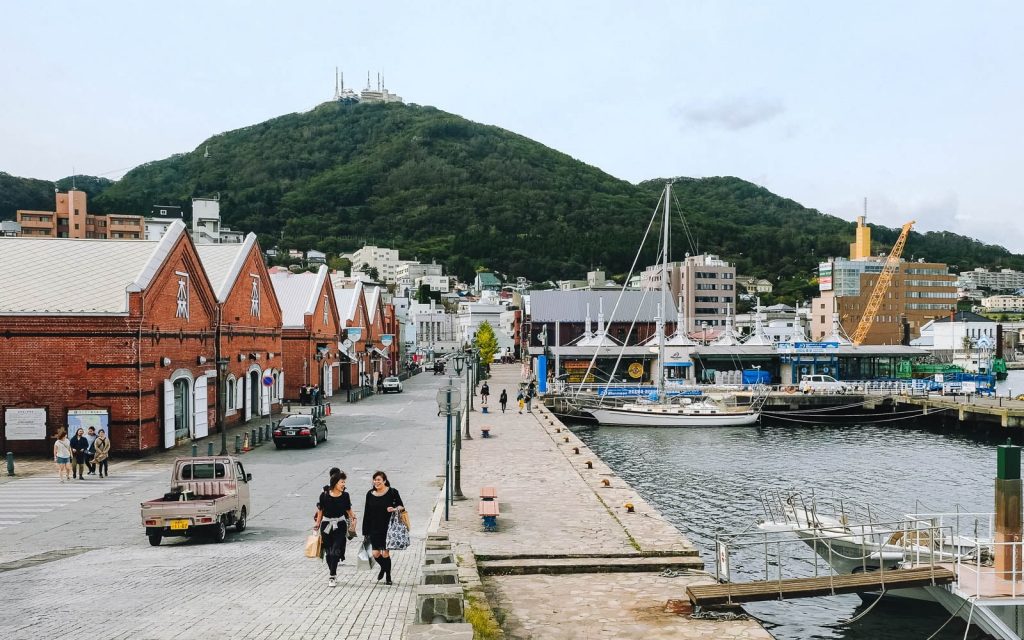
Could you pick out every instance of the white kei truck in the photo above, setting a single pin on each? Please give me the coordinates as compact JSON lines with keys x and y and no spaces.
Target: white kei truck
{"x":208,"y":494}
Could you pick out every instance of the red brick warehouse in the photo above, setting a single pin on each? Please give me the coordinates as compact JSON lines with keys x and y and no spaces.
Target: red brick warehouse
{"x":124,"y":328}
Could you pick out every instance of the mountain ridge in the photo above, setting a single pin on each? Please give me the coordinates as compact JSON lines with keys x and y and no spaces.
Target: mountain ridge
{"x":436,"y":185}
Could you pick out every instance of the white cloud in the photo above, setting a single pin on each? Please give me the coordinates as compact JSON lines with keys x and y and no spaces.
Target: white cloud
{"x":731,"y":114}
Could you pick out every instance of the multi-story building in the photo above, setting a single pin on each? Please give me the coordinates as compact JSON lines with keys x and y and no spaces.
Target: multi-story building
{"x":206,"y":224}
{"x":1002,"y":280}
{"x":434,"y":330}
{"x":384,"y":260}
{"x":72,"y":220}
{"x":9,"y":229}
{"x":706,"y":283}
{"x":407,"y":273}
{"x":919,"y":293}
{"x":1003,"y":304}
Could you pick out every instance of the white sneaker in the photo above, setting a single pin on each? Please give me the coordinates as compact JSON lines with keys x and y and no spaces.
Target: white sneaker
{"x":332,"y":582}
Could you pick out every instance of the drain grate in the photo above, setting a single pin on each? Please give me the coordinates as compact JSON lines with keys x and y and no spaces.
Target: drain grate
{"x":43,"y":558}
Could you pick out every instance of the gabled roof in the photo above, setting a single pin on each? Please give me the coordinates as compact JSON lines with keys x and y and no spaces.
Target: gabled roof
{"x":298,"y":294}
{"x":348,"y":301}
{"x":571,"y":306}
{"x":223,"y":263}
{"x":372,"y":302}
{"x":72,"y":276}
{"x":965,"y":316}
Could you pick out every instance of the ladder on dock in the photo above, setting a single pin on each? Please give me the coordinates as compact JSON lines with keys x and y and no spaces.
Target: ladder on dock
{"x":732,"y":593}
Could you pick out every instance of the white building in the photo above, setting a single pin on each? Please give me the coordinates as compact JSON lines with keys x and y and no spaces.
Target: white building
{"x":942,"y":335}
{"x":473,"y":314}
{"x":408,"y":271}
{"x":1003,"y":304}
{"x":434,"y":331}
{"x":206,"y":224}
{"x":1002,"y":280}
{"x":384,"y":260}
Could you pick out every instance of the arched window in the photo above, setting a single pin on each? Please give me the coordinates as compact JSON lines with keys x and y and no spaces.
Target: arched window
{"x":230,"y":393}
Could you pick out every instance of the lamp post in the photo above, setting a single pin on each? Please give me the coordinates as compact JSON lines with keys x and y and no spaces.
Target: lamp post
{"x":470,"y":387}
{"x":460,"y":360}
{"x":449,"y":401}
{"x":222,"y":372}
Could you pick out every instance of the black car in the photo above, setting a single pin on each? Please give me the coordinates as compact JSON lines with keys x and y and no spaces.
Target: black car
{"x":300,"y":429}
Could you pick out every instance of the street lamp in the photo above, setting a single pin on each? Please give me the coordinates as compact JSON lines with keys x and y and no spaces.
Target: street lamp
{"x":449,"y":401}
{"x":470,"y":386}
{"x":222,"y":371}
{"x":459,"y":362}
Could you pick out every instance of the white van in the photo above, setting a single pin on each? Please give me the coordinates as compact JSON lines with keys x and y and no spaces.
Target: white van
{"x":818,"y":383}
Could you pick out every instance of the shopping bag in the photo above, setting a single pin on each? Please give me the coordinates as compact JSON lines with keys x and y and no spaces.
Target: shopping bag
{"x":405,"y":519}
{"x":398,"y":535}
{"x":364,"y":559}
{"x":314,"y":545}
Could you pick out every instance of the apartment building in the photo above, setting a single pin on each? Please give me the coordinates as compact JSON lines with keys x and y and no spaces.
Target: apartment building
{"x":1002,"y":280}
{"x":384,"y":260}
{"x":408,"y":274}
{"x":71,"y":219}
{"x":706,"y":283}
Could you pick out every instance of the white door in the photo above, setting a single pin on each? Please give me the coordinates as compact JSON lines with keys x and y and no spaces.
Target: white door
{"x":202,"y":422}
{"x":280,"y":385}
{"x":264,"y":395}
{"x":168,"y":414}
{"x":246,"y":397}
{"x":328,"y":381}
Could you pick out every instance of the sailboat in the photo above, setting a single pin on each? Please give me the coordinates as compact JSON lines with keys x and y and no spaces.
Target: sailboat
{"x":660,"y":410}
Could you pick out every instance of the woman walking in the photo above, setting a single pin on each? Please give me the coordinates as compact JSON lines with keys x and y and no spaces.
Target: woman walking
{"x":79,"y":450}
{"x":521,"y":400}
{"x":503,"y":400}
{"x":334,"y":512}
{"x":62,"y":455}
{"x":381,"y":502}
{"x":102,"y":448}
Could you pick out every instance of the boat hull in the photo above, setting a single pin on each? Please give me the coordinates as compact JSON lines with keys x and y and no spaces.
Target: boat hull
{"x":630,"y":418}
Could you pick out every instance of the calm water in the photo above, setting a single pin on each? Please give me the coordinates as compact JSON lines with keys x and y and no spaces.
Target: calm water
{"x":707,"y":480}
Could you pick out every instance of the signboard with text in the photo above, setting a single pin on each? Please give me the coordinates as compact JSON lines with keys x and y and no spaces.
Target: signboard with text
{"x":25,"y":424}
{"x":85,"y":418}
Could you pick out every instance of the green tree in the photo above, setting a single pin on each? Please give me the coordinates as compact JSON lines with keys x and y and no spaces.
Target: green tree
{"x":487,"y":343}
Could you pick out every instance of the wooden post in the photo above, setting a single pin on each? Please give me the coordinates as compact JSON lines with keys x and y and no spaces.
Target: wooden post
{"x":1008,"y":525}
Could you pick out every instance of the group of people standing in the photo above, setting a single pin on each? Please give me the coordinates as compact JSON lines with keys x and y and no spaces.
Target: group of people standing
{"x":85,"y":450}
{"x":524,"y":398}
{"x":310,"y":394}
{"x":336,"y":522}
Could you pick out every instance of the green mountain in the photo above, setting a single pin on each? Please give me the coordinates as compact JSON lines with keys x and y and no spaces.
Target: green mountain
{"x":436,"y":185}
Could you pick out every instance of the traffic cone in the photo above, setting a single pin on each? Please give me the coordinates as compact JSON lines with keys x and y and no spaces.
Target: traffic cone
{"x":245,"y":443}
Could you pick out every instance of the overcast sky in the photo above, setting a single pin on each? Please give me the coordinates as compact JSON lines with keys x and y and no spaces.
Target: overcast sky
{"x":917,"y":107}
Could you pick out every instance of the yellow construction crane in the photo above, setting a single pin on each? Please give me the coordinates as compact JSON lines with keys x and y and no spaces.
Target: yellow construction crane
{"x":892,"y":265}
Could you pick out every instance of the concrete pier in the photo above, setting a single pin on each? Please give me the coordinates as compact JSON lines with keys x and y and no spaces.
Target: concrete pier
{"x":577,"y":553}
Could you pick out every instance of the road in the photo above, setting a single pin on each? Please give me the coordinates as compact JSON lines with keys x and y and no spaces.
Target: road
{"x":74,"y":562}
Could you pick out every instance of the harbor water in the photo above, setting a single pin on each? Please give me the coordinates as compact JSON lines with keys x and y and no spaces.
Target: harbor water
{"x":707,"y":480}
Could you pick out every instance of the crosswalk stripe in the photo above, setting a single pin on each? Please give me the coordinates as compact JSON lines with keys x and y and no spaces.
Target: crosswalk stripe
{"x":27,"y":498}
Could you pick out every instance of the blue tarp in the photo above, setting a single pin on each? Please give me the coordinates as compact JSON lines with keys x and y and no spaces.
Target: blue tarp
{"x":756,"y":376}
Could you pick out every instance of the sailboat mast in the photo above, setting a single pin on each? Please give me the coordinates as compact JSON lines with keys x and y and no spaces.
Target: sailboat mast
{"x":664,"y":294}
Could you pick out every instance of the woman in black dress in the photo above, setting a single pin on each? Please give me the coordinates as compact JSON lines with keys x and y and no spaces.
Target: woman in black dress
{"x":79,"y":448}
{"x":381,"y":502}
{"x":334,"y":512}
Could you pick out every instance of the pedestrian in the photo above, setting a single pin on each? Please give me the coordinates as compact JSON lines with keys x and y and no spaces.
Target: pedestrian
{"x":381,"y":502}
{"x":484,"y":392}
{"x":503,"y":400}
{"x":521,"y":400}
{"x":90,"y":435}
{"x":79,"y":447}
{"x":62,"y":455}
{"x":102,"y":447}
{"x":531,"y":391}
{"x":334,"y":513}
{"x":380,"y":384}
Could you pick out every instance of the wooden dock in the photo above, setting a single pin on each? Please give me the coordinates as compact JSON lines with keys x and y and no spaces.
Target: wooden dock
{"x":730,"y":593}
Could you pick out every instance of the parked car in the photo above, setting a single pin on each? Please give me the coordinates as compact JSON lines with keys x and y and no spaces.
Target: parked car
{"x":300,"y":428}
{"x":819,"y":383}
{"x":208,"y":494}
{"x":392,"y":383}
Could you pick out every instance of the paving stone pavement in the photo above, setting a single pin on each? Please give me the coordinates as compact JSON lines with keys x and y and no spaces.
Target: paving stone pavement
{"x":552,"y":504}
{"x":86,"y":570}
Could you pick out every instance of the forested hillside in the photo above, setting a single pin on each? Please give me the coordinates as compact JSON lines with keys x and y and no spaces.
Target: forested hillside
{"x":436,"y":185}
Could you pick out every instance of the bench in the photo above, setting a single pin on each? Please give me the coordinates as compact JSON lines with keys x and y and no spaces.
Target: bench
{"x":488,"y":493}
{"x":488,"y":510}
{"x":485,"y":432}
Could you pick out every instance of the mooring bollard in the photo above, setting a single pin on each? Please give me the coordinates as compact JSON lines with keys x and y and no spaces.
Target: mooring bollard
{"x":195,"y":449}
{"x":238,"y":444}
{"x":10,"y":463}
{"x":209,"y":448}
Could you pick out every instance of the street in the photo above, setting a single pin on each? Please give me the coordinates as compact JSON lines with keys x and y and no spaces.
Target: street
{"x":75,"y":563}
